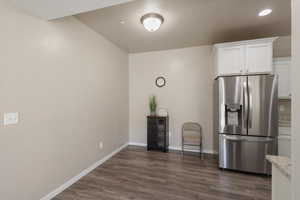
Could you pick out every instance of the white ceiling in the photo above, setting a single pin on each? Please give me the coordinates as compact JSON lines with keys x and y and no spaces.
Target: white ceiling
{"x":189,"y":22}
{"x":53,"y":9}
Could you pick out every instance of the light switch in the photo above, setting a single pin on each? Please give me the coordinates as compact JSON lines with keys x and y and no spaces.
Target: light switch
{"x":11,"y":118}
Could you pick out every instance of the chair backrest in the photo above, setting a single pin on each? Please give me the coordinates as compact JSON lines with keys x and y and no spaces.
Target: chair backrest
{"x":191,"y":131}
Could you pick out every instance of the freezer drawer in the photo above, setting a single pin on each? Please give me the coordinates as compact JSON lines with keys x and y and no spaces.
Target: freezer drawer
{"x":246,"y":153}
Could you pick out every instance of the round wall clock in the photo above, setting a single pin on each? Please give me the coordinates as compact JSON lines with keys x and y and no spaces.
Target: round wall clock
{"x":160,"y":81}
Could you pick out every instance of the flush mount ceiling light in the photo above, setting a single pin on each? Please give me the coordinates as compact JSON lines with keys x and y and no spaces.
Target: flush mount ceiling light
{"x":265,"y":12}
{"x":152,"y":21}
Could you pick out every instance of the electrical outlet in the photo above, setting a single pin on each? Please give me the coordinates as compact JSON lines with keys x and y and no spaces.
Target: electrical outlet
{"x":11,"y":118}
{"x":100,"y":145}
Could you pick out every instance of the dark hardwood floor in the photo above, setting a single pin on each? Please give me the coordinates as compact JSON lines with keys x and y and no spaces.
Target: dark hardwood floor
{"x":135,"y":174}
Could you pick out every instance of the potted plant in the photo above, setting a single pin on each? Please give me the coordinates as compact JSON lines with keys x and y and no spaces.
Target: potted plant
{"x":152,"y":105}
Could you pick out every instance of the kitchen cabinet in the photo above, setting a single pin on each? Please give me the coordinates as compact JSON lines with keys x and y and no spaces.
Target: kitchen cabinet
{"x":281,"y":185}
{"x":230,"y":60}
{"x":259,"y":58}
{"x":244,"y":57}
{"x":282,"y":68}
{"x":281,"y":177}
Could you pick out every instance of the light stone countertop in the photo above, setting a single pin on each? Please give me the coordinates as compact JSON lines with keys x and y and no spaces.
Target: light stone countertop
{"x":281,"y":163}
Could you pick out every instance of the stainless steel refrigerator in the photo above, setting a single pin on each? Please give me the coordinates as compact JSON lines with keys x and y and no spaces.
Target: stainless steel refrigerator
{"x":246,"y":121}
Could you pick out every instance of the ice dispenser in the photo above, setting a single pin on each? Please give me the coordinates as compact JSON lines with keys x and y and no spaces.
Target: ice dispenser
{"x":233,"y":118}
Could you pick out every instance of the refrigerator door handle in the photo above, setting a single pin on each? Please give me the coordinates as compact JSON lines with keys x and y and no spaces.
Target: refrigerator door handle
{"x":245,"y":103}
{"x":250,"y":105}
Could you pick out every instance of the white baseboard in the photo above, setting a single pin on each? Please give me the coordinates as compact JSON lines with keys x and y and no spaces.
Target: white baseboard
{"x":98,"y":163}
{"x":81,"y":174}
{"x":137,"y":144}
{"x":174,"y":148}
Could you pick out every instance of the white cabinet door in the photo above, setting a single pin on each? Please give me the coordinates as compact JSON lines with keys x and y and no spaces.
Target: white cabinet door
{"x":244,"y":57}
{"x":230,"y":60}
{"x":283,"y":70}
{"x":281,"y":185}
{"x":259,"y":58}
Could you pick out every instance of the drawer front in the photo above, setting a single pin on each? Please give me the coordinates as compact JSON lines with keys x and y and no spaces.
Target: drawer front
{"x":246,"y":153}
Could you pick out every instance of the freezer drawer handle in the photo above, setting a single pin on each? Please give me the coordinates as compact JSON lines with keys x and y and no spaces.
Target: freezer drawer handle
{"x":232,"y":138}
{"x":261,"y":140}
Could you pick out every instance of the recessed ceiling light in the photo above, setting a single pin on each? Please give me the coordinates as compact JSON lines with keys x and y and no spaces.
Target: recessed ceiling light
{"x":265,"y":12}
{"x":152,"y":21}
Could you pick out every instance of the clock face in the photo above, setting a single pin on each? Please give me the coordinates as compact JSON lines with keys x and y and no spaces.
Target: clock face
{"x":160,"y":81}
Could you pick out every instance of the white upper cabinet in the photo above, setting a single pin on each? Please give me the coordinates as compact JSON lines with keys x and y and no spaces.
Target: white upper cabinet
{"x":230,"y":60}
{"x":283,"y":70}
{"x":259,"y":58}
{"x":244,"y":57}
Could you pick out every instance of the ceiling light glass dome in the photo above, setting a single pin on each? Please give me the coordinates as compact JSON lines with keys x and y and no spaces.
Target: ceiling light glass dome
{"x":152,"y":21}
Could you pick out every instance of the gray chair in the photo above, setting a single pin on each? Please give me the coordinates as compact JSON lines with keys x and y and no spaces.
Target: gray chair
{"x":192,"y":137}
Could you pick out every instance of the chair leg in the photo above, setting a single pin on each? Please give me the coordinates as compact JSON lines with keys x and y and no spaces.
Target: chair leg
{"x":182,"y":144}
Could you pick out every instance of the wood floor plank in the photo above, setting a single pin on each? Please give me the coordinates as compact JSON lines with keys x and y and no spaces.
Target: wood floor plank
{"x":135,"y":174}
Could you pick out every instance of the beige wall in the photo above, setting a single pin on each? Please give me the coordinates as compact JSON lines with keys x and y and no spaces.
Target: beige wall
{"x":282,"y":46}
{"x":187,"y":95}
{"x":70,"y":86}
{"x":296,"y":99}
